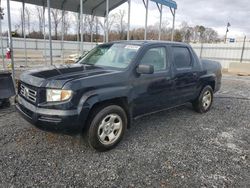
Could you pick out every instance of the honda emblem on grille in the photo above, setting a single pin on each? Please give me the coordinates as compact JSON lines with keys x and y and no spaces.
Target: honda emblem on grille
{"x":26,"y":92}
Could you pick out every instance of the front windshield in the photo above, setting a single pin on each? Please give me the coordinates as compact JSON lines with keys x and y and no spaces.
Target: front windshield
{"x":113,"y":55}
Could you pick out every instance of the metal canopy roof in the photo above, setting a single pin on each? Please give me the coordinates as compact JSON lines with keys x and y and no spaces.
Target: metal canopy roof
{"x":91,"y":7}
{"x":168,"y":3}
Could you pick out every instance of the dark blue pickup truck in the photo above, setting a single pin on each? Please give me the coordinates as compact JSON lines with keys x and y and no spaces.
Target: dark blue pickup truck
{"x":114,"y":83}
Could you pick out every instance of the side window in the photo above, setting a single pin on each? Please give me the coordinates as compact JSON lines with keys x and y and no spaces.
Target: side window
{"x":156,"y":57}
{"x":182,"y":58}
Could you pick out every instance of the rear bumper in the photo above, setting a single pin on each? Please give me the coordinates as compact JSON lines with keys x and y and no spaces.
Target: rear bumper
{"x":49,"y":119}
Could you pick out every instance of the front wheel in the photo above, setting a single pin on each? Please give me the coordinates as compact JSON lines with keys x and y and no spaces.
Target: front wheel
{"x":204,"y":101}
{"x":107,"y":127}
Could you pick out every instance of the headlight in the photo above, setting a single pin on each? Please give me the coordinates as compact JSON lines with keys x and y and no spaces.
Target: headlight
{"x":56,"y":95}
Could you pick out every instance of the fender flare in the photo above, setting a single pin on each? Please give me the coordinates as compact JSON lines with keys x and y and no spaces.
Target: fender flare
{"x":89,"y":99}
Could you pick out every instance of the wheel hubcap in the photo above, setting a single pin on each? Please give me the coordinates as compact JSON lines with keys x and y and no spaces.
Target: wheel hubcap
{"x":207,"y":100}
{"x":110,"y":129}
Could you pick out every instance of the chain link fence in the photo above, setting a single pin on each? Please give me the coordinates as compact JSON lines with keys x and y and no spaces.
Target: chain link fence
{"x":38,"y":52}
{"x":225,"y":53}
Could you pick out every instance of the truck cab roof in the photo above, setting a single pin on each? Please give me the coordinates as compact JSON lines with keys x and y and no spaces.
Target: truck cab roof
{"x":148,"y":42}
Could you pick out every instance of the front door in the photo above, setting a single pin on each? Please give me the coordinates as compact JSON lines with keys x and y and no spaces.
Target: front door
{"x":153,"y":91}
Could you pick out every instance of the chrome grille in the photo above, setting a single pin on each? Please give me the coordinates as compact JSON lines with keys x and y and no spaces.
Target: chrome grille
{"x":28,"y":93}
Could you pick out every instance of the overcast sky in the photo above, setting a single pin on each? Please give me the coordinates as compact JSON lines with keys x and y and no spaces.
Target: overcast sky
{"x":210,"y":13}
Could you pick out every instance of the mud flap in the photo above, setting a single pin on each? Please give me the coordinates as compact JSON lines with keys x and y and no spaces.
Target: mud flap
{"x":7,"y":88}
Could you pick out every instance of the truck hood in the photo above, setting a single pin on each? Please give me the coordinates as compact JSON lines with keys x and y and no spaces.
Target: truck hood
{"x":57,"y":76}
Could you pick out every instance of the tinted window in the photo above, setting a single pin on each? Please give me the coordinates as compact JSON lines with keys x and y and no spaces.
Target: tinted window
{"x":182,"y":57}
{"x":155,"y":57}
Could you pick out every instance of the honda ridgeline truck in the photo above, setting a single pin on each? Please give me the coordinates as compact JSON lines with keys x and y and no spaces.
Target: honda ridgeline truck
{"x":114,"y":83}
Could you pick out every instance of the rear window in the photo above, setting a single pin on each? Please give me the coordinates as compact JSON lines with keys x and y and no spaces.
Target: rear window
{"x":182,"y":58}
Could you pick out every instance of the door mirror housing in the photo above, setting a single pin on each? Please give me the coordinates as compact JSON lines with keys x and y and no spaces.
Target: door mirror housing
{"x":145,"y":69}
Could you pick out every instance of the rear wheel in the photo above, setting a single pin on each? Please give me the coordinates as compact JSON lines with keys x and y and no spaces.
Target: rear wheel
{"x":204,"y":102}
{"x":107,"y":127}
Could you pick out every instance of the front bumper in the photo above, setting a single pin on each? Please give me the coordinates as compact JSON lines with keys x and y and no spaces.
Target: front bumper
{"x":49,"y":119}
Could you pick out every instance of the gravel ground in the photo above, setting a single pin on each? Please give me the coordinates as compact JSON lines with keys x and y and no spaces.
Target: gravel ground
{"x":175,"y":148}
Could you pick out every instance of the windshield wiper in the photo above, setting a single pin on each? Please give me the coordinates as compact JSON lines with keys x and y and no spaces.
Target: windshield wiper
{"x":92,"y":65}
{"x":57,"y":69}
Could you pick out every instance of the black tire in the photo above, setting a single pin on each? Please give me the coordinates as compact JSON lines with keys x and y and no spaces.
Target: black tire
{"x":4,"y":103}
{"x":7,"y":103}
{"x":198,"y":103}
{"x":99,"y":116}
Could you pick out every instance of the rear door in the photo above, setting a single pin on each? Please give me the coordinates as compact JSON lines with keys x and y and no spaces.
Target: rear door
{"x":185,"y":76}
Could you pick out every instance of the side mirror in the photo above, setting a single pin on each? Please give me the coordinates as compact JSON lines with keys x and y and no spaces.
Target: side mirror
{"x":145,"y":69}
